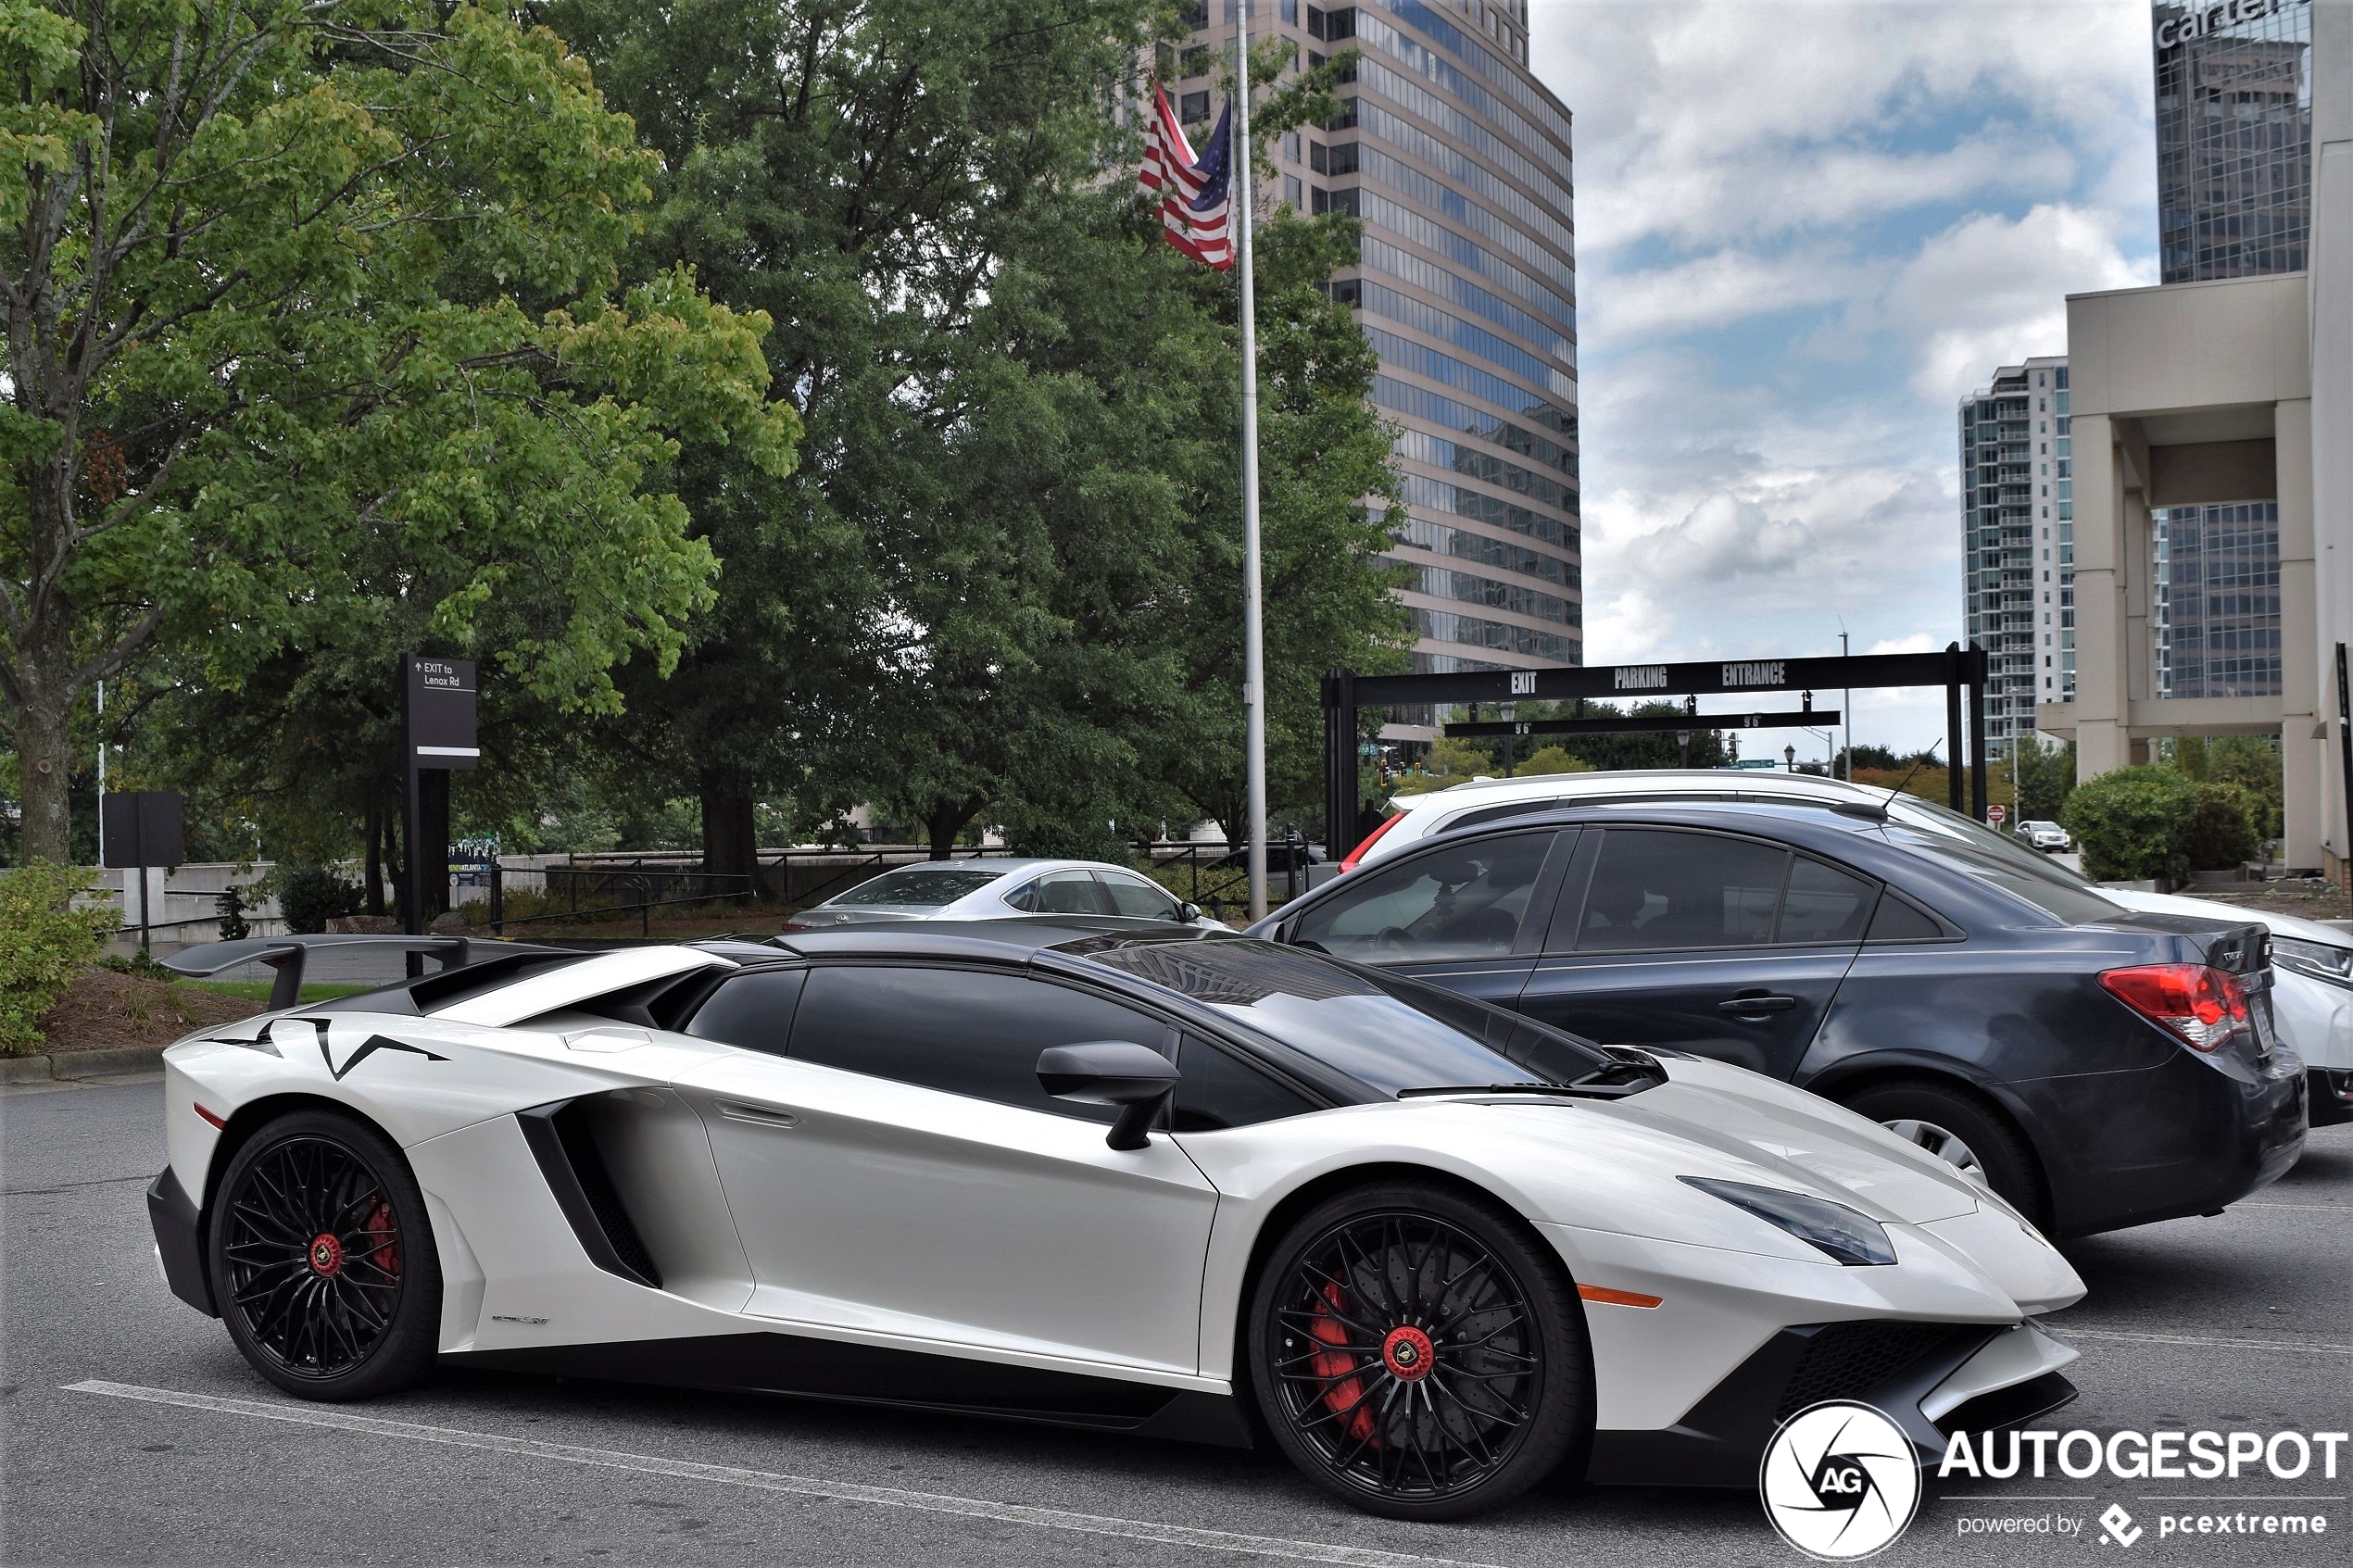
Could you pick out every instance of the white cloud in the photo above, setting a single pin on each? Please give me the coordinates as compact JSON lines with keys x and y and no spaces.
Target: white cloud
{"x":1989,"y":290}
{"x":1805,"y":228}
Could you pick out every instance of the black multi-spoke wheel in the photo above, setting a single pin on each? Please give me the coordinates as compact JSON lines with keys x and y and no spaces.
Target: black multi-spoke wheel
{"x":324,"y":1264}
{"x":1418,"y":1353}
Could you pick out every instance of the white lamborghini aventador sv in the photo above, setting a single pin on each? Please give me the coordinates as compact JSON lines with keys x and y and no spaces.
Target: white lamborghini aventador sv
{"x":1160,"y":1181}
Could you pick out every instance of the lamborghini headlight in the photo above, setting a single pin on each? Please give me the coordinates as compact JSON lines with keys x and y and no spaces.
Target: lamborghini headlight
{"x":1852,"y":1238}
{"x":2317,"y":959}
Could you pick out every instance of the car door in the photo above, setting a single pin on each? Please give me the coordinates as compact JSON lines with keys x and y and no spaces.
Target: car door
{"x":1469,"y":914}
{"x":1717,"y":944}
{"x":900,"y":1170}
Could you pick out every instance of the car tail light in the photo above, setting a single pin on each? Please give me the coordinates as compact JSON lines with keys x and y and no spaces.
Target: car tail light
{"x":2200,"y":1006}
{"x":1370,"y":839}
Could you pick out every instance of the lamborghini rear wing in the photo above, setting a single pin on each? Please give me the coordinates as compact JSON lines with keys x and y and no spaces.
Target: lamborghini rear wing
{"x":286,"y":956}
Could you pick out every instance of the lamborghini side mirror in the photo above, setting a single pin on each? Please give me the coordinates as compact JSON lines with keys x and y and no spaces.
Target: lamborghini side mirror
{"x":1135,"y":1078}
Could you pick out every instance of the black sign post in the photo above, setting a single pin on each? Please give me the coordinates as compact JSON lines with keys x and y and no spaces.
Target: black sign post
{"x":1962,"y":672}
{"x":2345,"y":752}
{"x":438,"y":722}
{"x":143,"y":829}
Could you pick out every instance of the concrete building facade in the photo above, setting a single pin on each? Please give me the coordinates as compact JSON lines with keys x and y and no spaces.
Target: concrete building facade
{"x":2231,"y":401}
{"x":1457,"y":161}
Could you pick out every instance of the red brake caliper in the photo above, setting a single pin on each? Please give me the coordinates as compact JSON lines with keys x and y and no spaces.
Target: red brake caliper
{"x":1345,"y":1397}
{"x":385,"y":1254}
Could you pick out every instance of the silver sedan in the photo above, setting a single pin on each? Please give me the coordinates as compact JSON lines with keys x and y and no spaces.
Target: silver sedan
{"x":994,"y":889}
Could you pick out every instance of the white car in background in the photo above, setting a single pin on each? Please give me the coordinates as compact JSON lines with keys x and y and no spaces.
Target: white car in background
{"x":2049,"y":837}
{"x":1000,"y":889}
{"x":2312,"y":998}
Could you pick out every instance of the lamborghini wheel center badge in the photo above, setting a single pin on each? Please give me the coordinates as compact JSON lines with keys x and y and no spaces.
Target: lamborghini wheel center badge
{"x":1408,"y":1352}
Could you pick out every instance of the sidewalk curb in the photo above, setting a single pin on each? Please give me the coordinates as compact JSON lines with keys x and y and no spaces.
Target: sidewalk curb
{"x":103,"y":1061}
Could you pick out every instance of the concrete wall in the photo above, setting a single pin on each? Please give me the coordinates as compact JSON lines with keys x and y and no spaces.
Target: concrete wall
{"x":2188,"y":394}
{"x":2331,"y":338}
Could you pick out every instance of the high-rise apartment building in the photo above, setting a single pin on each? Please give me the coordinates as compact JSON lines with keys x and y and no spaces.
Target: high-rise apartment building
{"x":2017,"y":543}
{"x":2234,"y":138}
{"x":1457,"y":159}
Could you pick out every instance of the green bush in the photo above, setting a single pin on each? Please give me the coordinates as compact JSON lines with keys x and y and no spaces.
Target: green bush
{"x":1552,"y":759}
{"x":2131,"y":823}
{"x":308,"y":897}
{"x":44,"y":942}
{"x":2226,"y":830}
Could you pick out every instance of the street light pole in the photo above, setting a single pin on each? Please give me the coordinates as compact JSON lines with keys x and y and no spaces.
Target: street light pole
{"x":1846,"y":712}
{"x":1254,"y":628}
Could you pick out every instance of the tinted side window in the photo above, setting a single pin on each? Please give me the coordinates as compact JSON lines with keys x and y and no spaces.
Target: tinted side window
{"x":752,"y":1011}
{"x":1824,"y":904}
{"x":1060,"y":893}
{"x":1656,"y":889}
{"x":1462,"y":901}
{"x":964,"y":1031}
{"x":1134,"y":896}
{"x":1898,"y":920}
{"x":1220,"y":1090}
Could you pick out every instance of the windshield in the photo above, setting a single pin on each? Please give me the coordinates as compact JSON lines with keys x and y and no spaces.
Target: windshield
{"x":918,"y":887}
{"x":1382,"y":1030}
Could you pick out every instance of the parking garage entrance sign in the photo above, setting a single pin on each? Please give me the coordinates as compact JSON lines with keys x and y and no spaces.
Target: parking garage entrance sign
{"x":1961,"y":672}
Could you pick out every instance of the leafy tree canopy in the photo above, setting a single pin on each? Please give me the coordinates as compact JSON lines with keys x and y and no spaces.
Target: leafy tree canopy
{"x":316,"y":303}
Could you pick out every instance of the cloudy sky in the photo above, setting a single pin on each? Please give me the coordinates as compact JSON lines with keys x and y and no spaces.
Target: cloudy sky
{"x":1805,"y":228}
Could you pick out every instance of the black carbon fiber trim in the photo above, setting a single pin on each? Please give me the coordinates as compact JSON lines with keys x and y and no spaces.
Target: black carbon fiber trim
{"x":559,"y":1140}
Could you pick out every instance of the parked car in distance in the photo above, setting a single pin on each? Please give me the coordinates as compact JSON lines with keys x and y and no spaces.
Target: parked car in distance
{"x":999,"y":889}
{"x":2096,"y":1067}
{"x":2049,"y":837}
{"x":2312,"y":977}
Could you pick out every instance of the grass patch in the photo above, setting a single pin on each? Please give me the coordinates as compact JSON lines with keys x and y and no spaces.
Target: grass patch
{"x":259,"y":990}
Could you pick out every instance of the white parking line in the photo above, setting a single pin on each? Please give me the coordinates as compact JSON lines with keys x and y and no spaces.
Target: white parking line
{"x":766,"y":1481}
{"x":2065,"y":1332}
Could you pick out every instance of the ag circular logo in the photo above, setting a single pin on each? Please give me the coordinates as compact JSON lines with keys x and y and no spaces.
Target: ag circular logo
{"x":1840,"y":1481}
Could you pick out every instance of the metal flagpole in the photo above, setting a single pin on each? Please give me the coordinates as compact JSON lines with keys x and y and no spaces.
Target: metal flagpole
{"x":1254,"y":631}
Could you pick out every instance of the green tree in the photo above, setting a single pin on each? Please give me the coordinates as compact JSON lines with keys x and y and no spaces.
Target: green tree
{"x":1005,"y":587}
{"x":1552,"y":759}
{"x":1448,"y":762}
{"x":296,"y":288}
{"x":2045,"y":778}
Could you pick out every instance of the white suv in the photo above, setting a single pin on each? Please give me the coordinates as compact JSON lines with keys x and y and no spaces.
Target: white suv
{"x":2312,"y":998}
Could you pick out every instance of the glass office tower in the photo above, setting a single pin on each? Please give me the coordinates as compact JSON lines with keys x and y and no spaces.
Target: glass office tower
{"x":2017,"y":543}
{"x":1457,"y":161}
{"x":2235,"y":200}
{"x":2234,"y":138}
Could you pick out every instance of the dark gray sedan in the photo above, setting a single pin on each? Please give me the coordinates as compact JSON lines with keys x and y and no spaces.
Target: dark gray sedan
{"x":2095,"y":1068}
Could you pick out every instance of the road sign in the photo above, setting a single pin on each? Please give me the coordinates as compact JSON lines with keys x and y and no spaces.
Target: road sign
{"x":441,"y":713}
{"x":142,"y":830}
{"x":1994,"y":814}
{"x":142,"y":827}
{"x":437,"y":714}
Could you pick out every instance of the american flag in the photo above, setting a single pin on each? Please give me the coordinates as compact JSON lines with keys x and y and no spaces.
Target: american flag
{"x":1196,"y":206}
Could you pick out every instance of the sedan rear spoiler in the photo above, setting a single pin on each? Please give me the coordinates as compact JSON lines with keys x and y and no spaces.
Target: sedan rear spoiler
{"x":286,"y":955}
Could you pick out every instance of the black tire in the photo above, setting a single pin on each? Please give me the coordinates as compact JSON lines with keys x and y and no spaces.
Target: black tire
{"x":322,"y":1259}
{"x":1343,"y":1311}
{"x":2002,"y":1159}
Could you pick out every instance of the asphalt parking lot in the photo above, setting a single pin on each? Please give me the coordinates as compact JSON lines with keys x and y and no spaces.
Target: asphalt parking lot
{"x":171,"y":1451}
